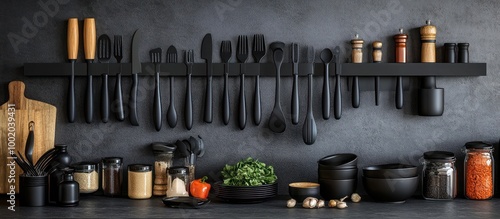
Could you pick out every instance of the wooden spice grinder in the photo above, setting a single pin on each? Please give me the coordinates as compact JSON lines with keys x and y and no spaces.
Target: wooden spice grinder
{"x":431,"y":99}
{"x":357,"y":57}
{"x":400,"y":41}
{"x":377,"y":58}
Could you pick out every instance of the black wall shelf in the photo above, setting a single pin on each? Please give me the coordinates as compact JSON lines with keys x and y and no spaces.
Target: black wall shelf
{"x":266,"y":69}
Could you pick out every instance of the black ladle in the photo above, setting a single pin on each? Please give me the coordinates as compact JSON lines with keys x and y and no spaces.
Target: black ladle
{"x":326,"y":56}
{"x":277,"y":122}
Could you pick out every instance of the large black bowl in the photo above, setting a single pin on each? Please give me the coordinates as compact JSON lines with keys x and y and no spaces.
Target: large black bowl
{"x":338,"y":173}
{"x":390,"y":171}
{"x":346,"y":159}
{"x":390,"y":190}
{"x":337,"y":189}
{"x":301,"y":190}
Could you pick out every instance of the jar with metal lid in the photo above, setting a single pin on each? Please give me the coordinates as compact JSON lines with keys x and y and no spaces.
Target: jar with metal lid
{"x":178,"y":186}
{"x":87,"y":176}
{"x":439,"y":176}
{"x":479,"y":170}
{"x":140,"y":181}
{"x":112,"y":176}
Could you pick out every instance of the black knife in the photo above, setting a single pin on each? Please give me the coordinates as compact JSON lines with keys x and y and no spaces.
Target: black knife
{"x":206,"y":53}
{"x":136,"y":69}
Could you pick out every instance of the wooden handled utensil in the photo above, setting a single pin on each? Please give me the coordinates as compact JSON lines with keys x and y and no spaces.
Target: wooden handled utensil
{"x":377,"y":58}
{"x":357,"y":57}
{"x":89,"y":45}
{"x":72,"y":57}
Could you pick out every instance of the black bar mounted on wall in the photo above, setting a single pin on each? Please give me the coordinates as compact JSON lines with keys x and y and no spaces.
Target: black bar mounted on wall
{"x":266,"y":69}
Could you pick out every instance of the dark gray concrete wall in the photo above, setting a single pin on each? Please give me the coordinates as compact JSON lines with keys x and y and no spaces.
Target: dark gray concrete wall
{"x":378,"y":134}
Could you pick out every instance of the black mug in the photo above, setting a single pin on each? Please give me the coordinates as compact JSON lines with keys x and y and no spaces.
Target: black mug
{"x":33,"y":190}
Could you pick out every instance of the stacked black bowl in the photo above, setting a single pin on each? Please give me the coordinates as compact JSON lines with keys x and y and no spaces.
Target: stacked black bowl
{"x":338,"y":175}
{"x":390,"y":182}
{"x":245,"y":194}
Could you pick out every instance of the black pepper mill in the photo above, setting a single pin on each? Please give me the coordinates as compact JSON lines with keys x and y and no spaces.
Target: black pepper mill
{"x":69,"y":190}
{"x":463,"y":53}
{"x":431,"y":99}
{"x":61,"y":161}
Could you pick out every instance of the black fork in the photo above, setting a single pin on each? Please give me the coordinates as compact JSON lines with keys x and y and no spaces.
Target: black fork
{"x":225,"y":55}
{"x":242,"y":55}
{"x":188,"y":109}
{"x":157,"y":111}
{"x":118,"y":103}
{"x":258,"y":51}
{"x":103,"y":55}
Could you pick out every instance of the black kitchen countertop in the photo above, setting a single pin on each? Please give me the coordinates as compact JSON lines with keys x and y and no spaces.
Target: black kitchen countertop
{"x":102,"y":207}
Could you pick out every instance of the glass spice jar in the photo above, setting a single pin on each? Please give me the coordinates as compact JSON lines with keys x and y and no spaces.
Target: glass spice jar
{"x":112,"y":176}
{"x":479,"y":170}
{"x":439,"y":176}
{"x":140,"y":181}
{"x":87,"y":176}
{"x":178,"y":186}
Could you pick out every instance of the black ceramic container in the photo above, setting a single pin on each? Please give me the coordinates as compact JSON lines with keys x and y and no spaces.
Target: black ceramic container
{"x":33,"y":190}
{"x":61,"y":161}
{"x":69,"y":190}
{"x":463,"y":53}
{"x":390,"y":171}
{"x":301,"y":190}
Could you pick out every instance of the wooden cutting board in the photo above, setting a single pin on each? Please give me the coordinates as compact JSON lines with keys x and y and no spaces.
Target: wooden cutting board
{"x":22,"y":111}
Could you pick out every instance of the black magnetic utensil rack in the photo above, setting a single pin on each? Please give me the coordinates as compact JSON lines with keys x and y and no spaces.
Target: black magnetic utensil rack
{"x":266,"y":69}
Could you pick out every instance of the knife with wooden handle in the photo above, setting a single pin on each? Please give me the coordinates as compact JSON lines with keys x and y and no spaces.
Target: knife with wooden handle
{"x":357,"y":57}
{"x":89,"y":43}
{"x":400,"y":41}
{"x":72,"y":57}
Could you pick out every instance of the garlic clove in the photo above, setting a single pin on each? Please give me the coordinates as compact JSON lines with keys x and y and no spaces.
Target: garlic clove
{"x":355,"y":197}
{"x":291,"y":203}
{"x":341,"y":205}
{"x":321,"y":203}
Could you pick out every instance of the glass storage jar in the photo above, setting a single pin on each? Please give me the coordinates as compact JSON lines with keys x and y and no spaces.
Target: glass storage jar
{"x":479,"y":170}
{"x":87,"y":176}
{"x":140,"y":181}
{"x":439,"y":176}
{"x":178,"y":185}
{"x":112,"y":176}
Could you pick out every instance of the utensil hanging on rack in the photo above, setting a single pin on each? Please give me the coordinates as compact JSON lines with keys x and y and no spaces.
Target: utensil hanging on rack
{"x":72,"y":57}
{"x":259,"y":51}
{"x":277,"y":122}
{"x":89,"y":43}
{"x":400,"y":41}
{"x":172,"y":113}
{"x":225,"y":55}
{"x":377,"y":58}
{"x":309,"y":130}
{"x":103,"y":56}
{"x":206,"y":53}
{"x":326,"y":56}
{"x":155,"y":55}
{"x":242,"y":56}
{"x":188,"y":102}
{"x":295,"y":87}
{"x":357,"y":57}
{"x":337,"y":95}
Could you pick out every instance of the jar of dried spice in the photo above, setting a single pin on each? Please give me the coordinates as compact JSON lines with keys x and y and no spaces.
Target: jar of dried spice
{"x":87,"y":177}
{"x":112,"y":176}
{"x":140,"y":181}
{"x":479,"y":170}
{"x":439,"y":176}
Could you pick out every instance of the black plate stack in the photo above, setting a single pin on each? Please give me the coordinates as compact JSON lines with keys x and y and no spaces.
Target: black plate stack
{"x":245,"y":194}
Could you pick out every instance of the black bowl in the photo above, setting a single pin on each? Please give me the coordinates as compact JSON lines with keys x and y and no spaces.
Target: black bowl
{"x":328,"y":167}
{"x":301,"y":190}
{"x":390,"y":190}
{"x":337,"y":189}
{"x":390,"y":171}
{"x":338,"y":173}
{"x":346,"y":159}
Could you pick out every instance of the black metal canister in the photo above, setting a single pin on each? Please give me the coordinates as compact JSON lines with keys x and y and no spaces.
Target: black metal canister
{"x":463,"y":53}
{"x":449,"y":53}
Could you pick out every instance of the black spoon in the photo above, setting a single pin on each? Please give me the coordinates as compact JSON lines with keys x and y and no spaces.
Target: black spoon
{"x":277,"y":122}
{"x":326,"y":56}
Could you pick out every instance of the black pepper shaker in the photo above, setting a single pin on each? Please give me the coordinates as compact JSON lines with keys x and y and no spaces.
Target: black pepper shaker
{"x":69,"y":190}
{"x":449,"y":52}
{"x":463,"y":53}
